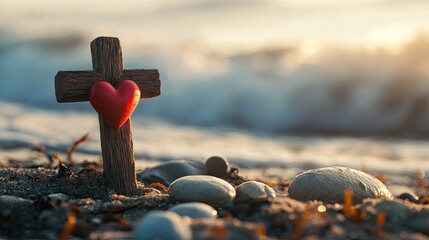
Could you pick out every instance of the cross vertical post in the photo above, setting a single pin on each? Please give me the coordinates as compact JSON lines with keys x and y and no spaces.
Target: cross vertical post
{"x":116,"y":143}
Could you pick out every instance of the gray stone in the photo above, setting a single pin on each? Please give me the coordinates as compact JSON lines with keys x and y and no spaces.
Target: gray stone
{"x":58,"y":196}
{"x":162,"y":225}
{"x":217,"y":166}
{"x":254,"y":191}
{"x":57,"y":199}
{"x":395,"y":211}
{"x":202,"y":188}
{"x":17,"y":216}
{"x":419,"y":222}
{"x":409,"y":196}
{"x":14,"y":206}
{"x":194,"y":210}
{"x":167,"y":172}
{"x":329,"y":184}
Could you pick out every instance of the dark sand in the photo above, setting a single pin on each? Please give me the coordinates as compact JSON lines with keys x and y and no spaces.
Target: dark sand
{"x":27,"y":210}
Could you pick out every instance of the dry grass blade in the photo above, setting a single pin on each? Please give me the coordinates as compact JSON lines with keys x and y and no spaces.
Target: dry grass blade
{"x":260,"y":229}
{"x":118,"y":209}
{"x":68,"y":227}
{"x":381,"y":177}
{"x":160,"y":185}
{"x":219,"y":232}
{"x":381,"y":217}
{"x":301,"y":223}
{"x":73,"y":147}
{"x":36,"y":178}
{"x":349,"y":210}
{"x":43,"y":151}
{"x":88,"y":170}
{"x":425,"y":200}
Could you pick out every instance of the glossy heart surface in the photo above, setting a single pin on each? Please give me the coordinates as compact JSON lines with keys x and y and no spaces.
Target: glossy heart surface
{"x":114,"y":104}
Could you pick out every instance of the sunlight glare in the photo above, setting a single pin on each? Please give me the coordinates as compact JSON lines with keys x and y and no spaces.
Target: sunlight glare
{"x":390,"y":38}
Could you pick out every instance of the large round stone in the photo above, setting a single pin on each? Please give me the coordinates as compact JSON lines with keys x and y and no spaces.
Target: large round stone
{"x":329,"y":185}
{"x":202,"y":188}
{"x":162,"y":225}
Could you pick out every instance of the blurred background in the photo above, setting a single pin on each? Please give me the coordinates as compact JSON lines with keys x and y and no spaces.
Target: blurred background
{"x":326,"y":66}
{"x":264,"y":67}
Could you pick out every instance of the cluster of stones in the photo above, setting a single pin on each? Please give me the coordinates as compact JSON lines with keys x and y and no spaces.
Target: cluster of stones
{"x":201,"y":193}
{"x":202,"y":189}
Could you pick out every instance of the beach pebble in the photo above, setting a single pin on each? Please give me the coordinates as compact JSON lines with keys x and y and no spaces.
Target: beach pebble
{"x":14,"y":206}
{"x":17,"y":216}
{"x":329,"y":184}
{"x":202,"y":188}
{"x":167,"y":172}
{"x":194,"y":210}
{"x":217,"y":166}
{"x":394,"y":210}
{"x":410,"y":196}
{"x":254,"y":191}
{"x":419,"y":222}
{"x":57,"y":199}
{"x":59,"y":196}
{"x":162,"y":225}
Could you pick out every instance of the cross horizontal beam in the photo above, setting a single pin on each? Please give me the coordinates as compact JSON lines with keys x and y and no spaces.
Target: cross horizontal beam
{"x":74,"y":86}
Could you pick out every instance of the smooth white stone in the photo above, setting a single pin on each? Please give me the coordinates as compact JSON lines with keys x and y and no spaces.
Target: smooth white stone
{"x":202,"y":188}
{"x":329,"y":185}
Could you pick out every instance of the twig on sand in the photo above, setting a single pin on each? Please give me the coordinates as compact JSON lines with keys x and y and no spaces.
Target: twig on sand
{"x":73,"y":147}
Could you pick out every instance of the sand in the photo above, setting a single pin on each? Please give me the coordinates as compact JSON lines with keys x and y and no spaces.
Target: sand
{"x":31,"y":207}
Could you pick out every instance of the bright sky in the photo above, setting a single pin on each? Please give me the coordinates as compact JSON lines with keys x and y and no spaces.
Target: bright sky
{"x":225,"y":24}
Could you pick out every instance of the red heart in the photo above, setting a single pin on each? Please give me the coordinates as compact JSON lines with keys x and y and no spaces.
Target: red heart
{"x":115,"y":105}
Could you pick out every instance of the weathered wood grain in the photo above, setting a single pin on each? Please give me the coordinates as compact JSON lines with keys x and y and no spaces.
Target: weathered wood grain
{"x":148,"y":81}
{"x":116,"y":144}
{"x":74,"y":86}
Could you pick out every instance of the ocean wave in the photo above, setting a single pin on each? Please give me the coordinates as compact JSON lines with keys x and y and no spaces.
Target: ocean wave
{"x":285,"y":90}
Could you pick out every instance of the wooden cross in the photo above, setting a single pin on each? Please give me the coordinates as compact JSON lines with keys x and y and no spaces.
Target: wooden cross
{"x":116,"y":143}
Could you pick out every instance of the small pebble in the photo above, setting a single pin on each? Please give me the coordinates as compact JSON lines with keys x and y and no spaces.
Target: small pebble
{"x":167,"y":172}
{"x":59,"y":196}
{"x":202,"y":188}
{"x":394,"y":210}
{"x":254,"y":191}
{"x":57,"y":199}
{"x":194,"y":210}
{"x":217,"y":166}
{"x":329,"y":184}
{"x":410,"y":197}
{"x":162,"y":225}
